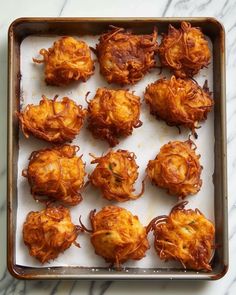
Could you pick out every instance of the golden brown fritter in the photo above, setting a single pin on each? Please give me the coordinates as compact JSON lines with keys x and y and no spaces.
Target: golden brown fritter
{"x":115,"y":174}
{"x":177,"y":169}
{"x":186,"y":236}
{"x":113,"y":113}
{"x":179,"y":101}
{"x":68,"y":60}
{"x":49,"y":232}
{"x":52,"y":120}
{"x":57,"y":174}
{"x":117,"y":235}
{"x":125,"y":58}
{"x":185,"y":50}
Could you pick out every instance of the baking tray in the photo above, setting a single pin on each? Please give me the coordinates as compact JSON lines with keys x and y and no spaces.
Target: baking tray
{"x":23,"y":27}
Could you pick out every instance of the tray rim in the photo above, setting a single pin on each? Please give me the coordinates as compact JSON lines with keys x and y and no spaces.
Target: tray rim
{"x":13,"y":268}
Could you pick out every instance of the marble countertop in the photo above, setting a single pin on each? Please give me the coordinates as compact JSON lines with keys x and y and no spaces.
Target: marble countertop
{"x":224,"y":11}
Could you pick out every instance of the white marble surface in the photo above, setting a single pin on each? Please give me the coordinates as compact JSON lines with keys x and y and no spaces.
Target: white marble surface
{"x":225,"y":11}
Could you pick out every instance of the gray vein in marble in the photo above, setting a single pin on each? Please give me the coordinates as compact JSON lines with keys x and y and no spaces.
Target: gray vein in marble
{"x":2,"y":172}
{"x":229,"y":287}
{"x":225,"y":4}
{"x":3,"y":206}
{"x":41,"y":287}
{"x":181,"y":4}
{"x":72,"y":287}
{"x":232,"y":234}
{"x":63,"y":7}
{"x":231,"y":137}
{"x":11,"y":288}
{"x":6,"y":280}
{"x":231,"y":116}
{"x":20,"y":288}
{"x":54,"y":290}
{"x":233,"y":207}
{"x":232,"y":28}
{"x":166,"y":7}
{"x":222,"y":12}
{"x":204,"y":5}
{"x":91,"y":287}
{"x":103,"y":286}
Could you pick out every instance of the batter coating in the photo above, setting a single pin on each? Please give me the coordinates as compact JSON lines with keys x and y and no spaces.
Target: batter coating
{"x":113,"y":114}
{"x":117,"y":235}
{"x":56,"y":174}
{"x":185,"y":50}
{"x":125,"y":58}
{"x":52,"y":120}
{"x":179,"y":102}
{"x":115,"y":174}
{"x":186,"y":236}
{"x":177,"y":169}
{"x":68,"y":60}
{"x":49,"y":232}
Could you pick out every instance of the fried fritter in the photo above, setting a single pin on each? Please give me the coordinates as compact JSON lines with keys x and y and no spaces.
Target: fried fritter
{"x":57,"y":174}
{"x":49,"y":232}
{"x":68,"y":60}
{"x":177,"y":169}
{"x":179,"y":101}
{"x":125,"y":58}
{"x":113,"y":113}
{"x":185,"y":50}
{"x":115,"y":174}
{"x":52,"y":120}
{"x":186,"y":236}
{"x":117,"y":235}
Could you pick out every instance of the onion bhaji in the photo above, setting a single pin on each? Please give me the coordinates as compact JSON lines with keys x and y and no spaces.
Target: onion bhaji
{"x":185,"y":50}
{"x":68,"y":60}
{"x":113,"y":113}
{"x":185,"y":235}
{"x":179,"y":101}
{"x":177,"y":169}
{"x":117,"y":235}
{"x":115,"y":174}
{"x":52,"y":120}
{"x":56,"y":174}
{"x":49,"y":232}
{"x":125,"y":58}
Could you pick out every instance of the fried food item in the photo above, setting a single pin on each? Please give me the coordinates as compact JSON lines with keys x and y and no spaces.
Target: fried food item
{"x":179,"y":101}
{"x":185,"y":50}
{"x":185,"y":235}
{"x":125,"y":58}
{"x":177,"y":169}
{"x":117,"y":235}
{"x":49,"y":232}
{"x":57,"y":174}
{"x":115,"y":174}
{"x":113,"y":113}
{"x":68,"y":60}
{"x":52,"y":120}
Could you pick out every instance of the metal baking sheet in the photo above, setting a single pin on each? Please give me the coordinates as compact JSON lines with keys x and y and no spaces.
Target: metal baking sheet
{"x":155,"y":201}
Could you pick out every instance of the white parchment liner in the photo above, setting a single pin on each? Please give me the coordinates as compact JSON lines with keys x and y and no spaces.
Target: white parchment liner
{"x":145,"y":142}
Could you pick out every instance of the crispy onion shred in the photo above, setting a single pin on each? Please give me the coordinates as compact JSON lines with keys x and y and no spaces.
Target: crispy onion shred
{"x":52,"y":120}
{"x":185,"y":50}
{"x":186,"y":236}
{"x":56,"y":174}
{"x":115,"y":175}
{"x":117,"y":235}
{"x":125,"y":58}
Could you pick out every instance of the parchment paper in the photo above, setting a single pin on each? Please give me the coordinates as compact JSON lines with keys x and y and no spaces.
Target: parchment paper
{"x":145,"y":142}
